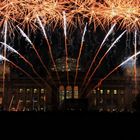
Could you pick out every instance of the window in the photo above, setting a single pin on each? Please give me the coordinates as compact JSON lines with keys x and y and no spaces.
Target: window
{"x":20,"y":90}
{"x":61,"y":93}
{"x":115,"y":92}
{"x":75,"y":92}
{"x":42,"y":91}
{"x":101,"y":91}
{"x":108,"y":91}
{"x":68,"y":92}
{"x":35,"y":90}
{"x":28,"y":90}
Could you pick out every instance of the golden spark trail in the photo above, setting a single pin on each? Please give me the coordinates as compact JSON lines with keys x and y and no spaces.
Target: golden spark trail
{"x":135,"y":51}
{"x":13,"y":50}
{"x":103,"y":59}
{"x":124,"y":62}
{"x":16,"y":66}
{"x":135,"y":59}
{"x":18,"y":105}
{"x":110,"y":31}
{"x":11,"y":102}
{"x":24,"y":35}
{"x":80,"y":51}
{"x":4,"y":64}
{"x":66,"y":49}
{"x":50,"y":50}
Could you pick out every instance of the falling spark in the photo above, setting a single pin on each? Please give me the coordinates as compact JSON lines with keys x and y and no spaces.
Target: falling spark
{"x":3,"y":58}
{"x":118,"y":38}
{"x":40,"y":23}
{"x":13,"y":50}
{"x":107,"y":35}
{"x":27,"y":38}
{"x":83,"y":36}
{"x":135,"y":51}
{"x":66,"y":49}
{"x":120,"y":65}
{"x":24,"y":35}
{"x":80,"y":51}
{"x":18,"y":104}
{"x":65,"y":23}
{"x":135,"y":59}
{"x":9,"y":48}
{"x":4,"y":52}
{"x":11,"y":103}
{"x":50,"y":50}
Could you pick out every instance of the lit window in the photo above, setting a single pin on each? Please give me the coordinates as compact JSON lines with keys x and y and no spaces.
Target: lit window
{"x":108,"y":91}
{"x":75,"y":92}
{"x":101,"y":91}
{"x":68,"y":92}
{"x":35,"y":90}
{"x":42,"y":91}
{"x":61,"y":93}
{"x":20,"y":90}
{"x":115,"y":91}
{"x":28,"y":90}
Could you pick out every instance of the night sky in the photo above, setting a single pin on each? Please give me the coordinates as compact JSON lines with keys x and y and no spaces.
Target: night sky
{"x":122,"y":50}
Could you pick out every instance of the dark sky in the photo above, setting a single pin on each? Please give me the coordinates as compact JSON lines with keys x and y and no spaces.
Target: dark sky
{"x":93,"y":39}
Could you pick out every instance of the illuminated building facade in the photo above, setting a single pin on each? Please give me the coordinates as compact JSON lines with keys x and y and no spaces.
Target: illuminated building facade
{"x":6,"y":84}
{"x":115,"y":94}
{"x":26,"y":96}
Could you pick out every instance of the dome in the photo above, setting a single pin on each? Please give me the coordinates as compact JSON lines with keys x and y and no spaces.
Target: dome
{"x":61,"y":64}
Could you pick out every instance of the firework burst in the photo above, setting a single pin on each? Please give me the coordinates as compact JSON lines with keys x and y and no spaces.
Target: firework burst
{"x":23,"y":12}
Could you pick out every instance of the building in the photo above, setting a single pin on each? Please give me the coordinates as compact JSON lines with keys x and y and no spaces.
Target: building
{"x":4,"y":87}
{"x":115,"y":94}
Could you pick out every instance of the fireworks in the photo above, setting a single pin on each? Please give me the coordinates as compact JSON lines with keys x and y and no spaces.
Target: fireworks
{"x":23,"y":12}
{"x":36,"y":14}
